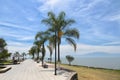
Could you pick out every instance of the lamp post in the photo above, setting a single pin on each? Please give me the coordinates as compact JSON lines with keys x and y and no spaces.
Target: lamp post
{"x":55,"y":53}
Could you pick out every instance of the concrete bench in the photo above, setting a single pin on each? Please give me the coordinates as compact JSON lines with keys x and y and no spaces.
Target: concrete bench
{"x":5,"y":69}
{"x":73,"y":76}
{"x":45,"y":66}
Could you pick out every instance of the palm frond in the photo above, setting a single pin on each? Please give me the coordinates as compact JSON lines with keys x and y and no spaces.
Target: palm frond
{"x":72,"y":42}
{"x":72,"y":33}
{"x":47,"y":22}
{"x":50,"y":49}
{"x":67,"y":23}
{"x":38,"y":35}
{"x":51,"y":14}
{"x":52,"y":17}
{"x":61,"y":16}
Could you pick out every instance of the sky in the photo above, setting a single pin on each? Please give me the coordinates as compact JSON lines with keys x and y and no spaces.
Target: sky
{"x":97,"y":20}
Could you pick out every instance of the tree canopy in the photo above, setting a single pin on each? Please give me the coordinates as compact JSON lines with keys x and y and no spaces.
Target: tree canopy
{"x":3,"y":51}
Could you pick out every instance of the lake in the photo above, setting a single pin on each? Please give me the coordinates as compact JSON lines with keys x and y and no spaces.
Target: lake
{"x":101,"y":62}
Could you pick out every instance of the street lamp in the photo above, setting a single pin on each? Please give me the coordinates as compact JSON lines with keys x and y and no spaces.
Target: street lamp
{"x":55,"y":53}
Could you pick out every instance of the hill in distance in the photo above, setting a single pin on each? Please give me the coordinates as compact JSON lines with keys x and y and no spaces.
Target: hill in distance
{"x":99,"y":54}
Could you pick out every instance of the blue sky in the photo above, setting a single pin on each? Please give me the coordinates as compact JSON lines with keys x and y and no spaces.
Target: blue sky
{"x":97,"y":20}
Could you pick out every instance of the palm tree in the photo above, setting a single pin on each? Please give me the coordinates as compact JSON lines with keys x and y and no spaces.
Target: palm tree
{"x":23,"y":54}
{"x":2,"y":44}
{"x":42,"y":37}
{"x":38,"y":46}
{"x":70,"y":59}
{"x":32,"y":51}
{"x":60,"y":25}
{"x":51,"y":51}
{"x":3,"y":51}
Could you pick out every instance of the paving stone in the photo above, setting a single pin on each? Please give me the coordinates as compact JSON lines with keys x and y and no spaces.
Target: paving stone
{"x":29,"y":70}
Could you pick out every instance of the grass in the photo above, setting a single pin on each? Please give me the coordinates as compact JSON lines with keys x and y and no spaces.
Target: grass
{"x":85,"y":73}
{"x":6,"y":62}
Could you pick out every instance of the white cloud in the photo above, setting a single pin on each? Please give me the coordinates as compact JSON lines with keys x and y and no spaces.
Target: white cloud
{"x":7,"y":24}
{"x":115,"y":17}
{"x":79,"y":10}
{"x":18,"y":46}
{"x":112,"y":43}
{"x":11,"y":43}
{"x":91,"y":5}
{"x":23,"y":38}
{"x":67,"y":49}
{"x":30,"y":18}
{"x":17,"y":36}
{"x":47,"y":5}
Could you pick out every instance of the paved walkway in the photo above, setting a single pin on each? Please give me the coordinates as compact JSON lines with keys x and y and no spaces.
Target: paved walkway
{"x":29,"y":70}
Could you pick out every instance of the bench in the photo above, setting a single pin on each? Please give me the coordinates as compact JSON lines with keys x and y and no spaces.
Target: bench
{"x":45,"y":66}
{"x":73,"y":76}
{"x":5,"y":69}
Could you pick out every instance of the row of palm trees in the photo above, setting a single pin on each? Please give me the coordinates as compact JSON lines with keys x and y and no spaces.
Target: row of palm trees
{"x":19,"y":57}
{"x":58,"y":29}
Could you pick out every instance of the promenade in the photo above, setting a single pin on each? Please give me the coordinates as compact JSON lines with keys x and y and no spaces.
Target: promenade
{"x":30,"y":70}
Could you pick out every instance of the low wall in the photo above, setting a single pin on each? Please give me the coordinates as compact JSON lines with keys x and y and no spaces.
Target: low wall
{"x":5,"y":69}
{"x":73,"y":75}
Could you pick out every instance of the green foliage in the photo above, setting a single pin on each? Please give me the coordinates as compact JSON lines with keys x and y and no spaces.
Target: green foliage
{"x":32,"y":51}
{"x":69,"y":59}
{"x":3,"y":51}
{"x":23,"y":55}
{"x":60,"y":25}
{"x":41,"y":38}
{"x":2,"y":43}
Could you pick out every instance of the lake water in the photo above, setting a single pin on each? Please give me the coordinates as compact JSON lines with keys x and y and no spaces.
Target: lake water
{"x":101,"y":62}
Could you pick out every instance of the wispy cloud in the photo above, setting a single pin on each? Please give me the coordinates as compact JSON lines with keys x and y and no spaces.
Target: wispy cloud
{"x":112,"y":43}
{"x":27,"y":38}
{"x":97,"y":21}
{"x":11,"y":25}
{"x":86,"y":49}
{"x":18,"y":46}
{"x":115,"y":17}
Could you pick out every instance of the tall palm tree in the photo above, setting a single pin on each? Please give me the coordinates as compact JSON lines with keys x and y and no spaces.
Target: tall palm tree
{"x":3,"y":51}
{"x":23,"y":54}
{"x":51,"y":45}
{"x":38,"y":46}
{"x":51,"y":51}
{"x":42,"y":37}
{"x":32,"y":51}
{"x":60,"y":25}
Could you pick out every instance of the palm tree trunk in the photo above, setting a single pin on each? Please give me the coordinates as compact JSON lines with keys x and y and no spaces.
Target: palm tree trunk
{"x":42,"y":61}
{"x":58,"y":52}
{"x":50,"y":58}
{"x":43,"y":54}
{"x":55,"y":53}
{"x":23,"y":57}
{"x":59,"y":49}
{"x":33,"y":56}
{"x":37,"y":55}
